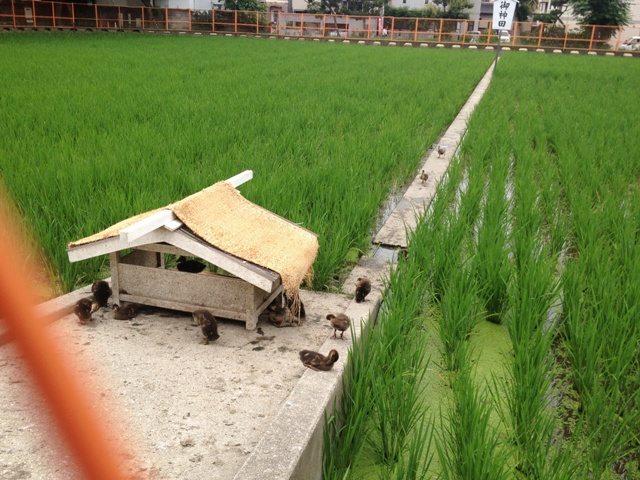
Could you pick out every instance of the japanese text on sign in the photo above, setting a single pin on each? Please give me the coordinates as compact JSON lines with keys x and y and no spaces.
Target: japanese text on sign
{"x":503,"y":11}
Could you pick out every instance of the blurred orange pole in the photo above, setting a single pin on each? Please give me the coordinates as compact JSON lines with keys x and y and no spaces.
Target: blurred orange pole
{"x":58,"y":383}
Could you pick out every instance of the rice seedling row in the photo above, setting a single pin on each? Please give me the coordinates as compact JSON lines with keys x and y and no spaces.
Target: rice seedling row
{"x":98,"y":128}
{"x":557,"y":230}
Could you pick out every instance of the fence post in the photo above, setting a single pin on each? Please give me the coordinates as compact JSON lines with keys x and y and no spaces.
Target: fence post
{"x":142,"y":18}
{"x":540,"y":35}
{"x":619,"y":37}
{"x":257,"y":23}
{"x":53,"y":13}
{"x":566,"y":35}
{"x":73,"y":16}
{"x":440,"y":31}
{"x":415,"y":32}
{"x":302,"y":25}
{"x":95,"y":10}
{"x":235,"y":21}
{"x":33,"y":15}
{"x":393,"y":24}
{"x":166,"y":19}
{"x":593,"y":33}
{"x":213,"y":20}
{"x":13,"y":14}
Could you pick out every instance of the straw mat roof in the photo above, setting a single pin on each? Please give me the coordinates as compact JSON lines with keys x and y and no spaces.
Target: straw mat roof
{"x":222,"y":217}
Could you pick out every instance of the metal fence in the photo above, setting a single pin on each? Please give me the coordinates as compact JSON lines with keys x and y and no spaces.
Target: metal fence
{"x":37,"y":15}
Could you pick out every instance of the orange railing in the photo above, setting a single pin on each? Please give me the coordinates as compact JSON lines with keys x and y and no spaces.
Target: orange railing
{"x":38,"y":15}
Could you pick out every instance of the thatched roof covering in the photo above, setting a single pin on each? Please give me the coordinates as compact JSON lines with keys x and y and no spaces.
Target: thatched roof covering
{"x":224,"y":219}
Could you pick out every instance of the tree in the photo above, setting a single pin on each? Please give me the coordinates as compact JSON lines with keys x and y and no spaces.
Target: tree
{"x":601,"y":12}
{"x":558,"y":8}
{"x":347,"y":7}
{"x":247,"y":5}
{"x":454,"y":8}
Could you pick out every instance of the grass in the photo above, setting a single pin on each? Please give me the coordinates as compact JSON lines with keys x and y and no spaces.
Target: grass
{"x":98,"y":127}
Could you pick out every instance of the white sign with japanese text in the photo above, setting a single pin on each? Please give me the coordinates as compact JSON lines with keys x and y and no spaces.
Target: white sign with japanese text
{"x":503,"y":11}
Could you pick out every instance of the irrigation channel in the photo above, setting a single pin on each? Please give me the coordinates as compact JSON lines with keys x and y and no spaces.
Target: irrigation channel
{"x":507,"y":342}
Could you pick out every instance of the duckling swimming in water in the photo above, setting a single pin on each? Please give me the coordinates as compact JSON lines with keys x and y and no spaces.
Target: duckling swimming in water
{"x":363,"y":288}
{"x":339,"y":322}
{"x":317,"y":361}
{"x":208,"y":324}
{"x":84,"y":308}
{"x":191,"y":266}
{"x":125,"y":312}
{"x":101,"y":292}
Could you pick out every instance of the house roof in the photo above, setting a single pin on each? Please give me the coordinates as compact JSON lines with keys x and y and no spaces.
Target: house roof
{"x":226,"y":222}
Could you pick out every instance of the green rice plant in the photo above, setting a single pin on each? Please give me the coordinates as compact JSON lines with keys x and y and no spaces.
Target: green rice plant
{"x":459,"y":314}
{"x":491,"y":264}
{"x":469,"y":446}
{"x":110,"y":126}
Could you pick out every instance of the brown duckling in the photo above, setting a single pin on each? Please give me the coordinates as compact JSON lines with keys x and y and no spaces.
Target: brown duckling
{"x":339,"y":322}
{"x":125,"y":312}
{"x":317,"y":361}
{"x":191,"y":266}
{"x":84,"y":308}
{"x":278,"y":315}
{"x":101,"y":292}
{"x":424,"y":176}
{"x":363,"y":288}
{"x":208,"y":324}
{"x":442,"y":149}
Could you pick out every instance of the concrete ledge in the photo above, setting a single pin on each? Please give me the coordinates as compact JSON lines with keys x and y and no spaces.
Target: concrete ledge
{"x":473,"y":47}
{"x":292,"y":446}
{"x":408,"y":44}
{"x":488,"y":48}
{"x":610,"y":54}
{"x":541,"y":50}
{"x":523,"y":49}
{"x":592,"y":53}
{"x":424,"y":45}
{"x":574,"y":52}
{"x":376,"y":43}
{"x":440,"y":45}
{"x":456,"y":46}
{"x":627,"y":55}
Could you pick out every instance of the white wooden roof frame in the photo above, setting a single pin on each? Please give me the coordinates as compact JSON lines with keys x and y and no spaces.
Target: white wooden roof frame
{"x":165,"y":227}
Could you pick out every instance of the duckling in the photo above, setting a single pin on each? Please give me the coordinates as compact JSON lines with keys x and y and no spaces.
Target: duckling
{"x":278,"y":315}
{"x":207,"y":322}
{"x":339,"y":322}
{"x":424,"y":176}
{"x":125,"y":312}
{"x":363,"y":287}
{"x":191,"y":266}
{"x":317,"y":361}
{"x":84,"y":308}
{"x":441,"y":150}
{"x":101,"y":292}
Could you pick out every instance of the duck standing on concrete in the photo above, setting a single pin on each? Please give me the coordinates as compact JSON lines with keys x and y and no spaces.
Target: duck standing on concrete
{"x":125,"y":312}
{"x":424,"y":176}
{"x":208,"y":324}
{"x":191,"y":266}
{"x":442,"y":149}
{"x":101,"y":292}
{"x":363,"y":288}
{"x":317,"y":361}
{"x":84,"y":308}
{"x":339,"y":322}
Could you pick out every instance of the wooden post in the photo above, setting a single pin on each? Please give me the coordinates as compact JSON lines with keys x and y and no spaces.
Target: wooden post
{"x":33,"y":15}
{"x":13,"y":14}
{"x":257,"y":23}
{"x":142,"y":17}
{"x":566,"y":35}
{"x":440,"y":31}
{"x":324,"y":23}
{"x":166,"y":19}
{"x":540,"y":35}
{"x":302,"y":25}
{"x":235,"y":21}
{"x":415,"y":32}
{"x":213,"y":20}
{"x":73,"y":16}
{"x":393,"y":22}
{"x":95,"y":10}
{"x":593,"y":34}
{"x":53,"y":13}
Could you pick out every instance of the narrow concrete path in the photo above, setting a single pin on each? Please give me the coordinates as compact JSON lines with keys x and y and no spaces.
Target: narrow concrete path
{"x":418,"y":197}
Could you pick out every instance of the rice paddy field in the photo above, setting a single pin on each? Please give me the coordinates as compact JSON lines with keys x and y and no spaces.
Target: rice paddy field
{"x":509,"y":343}
{"x":97,"y":128}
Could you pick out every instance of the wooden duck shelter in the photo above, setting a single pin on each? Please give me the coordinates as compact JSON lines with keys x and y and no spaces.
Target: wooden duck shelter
{"x":263,"y":253}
